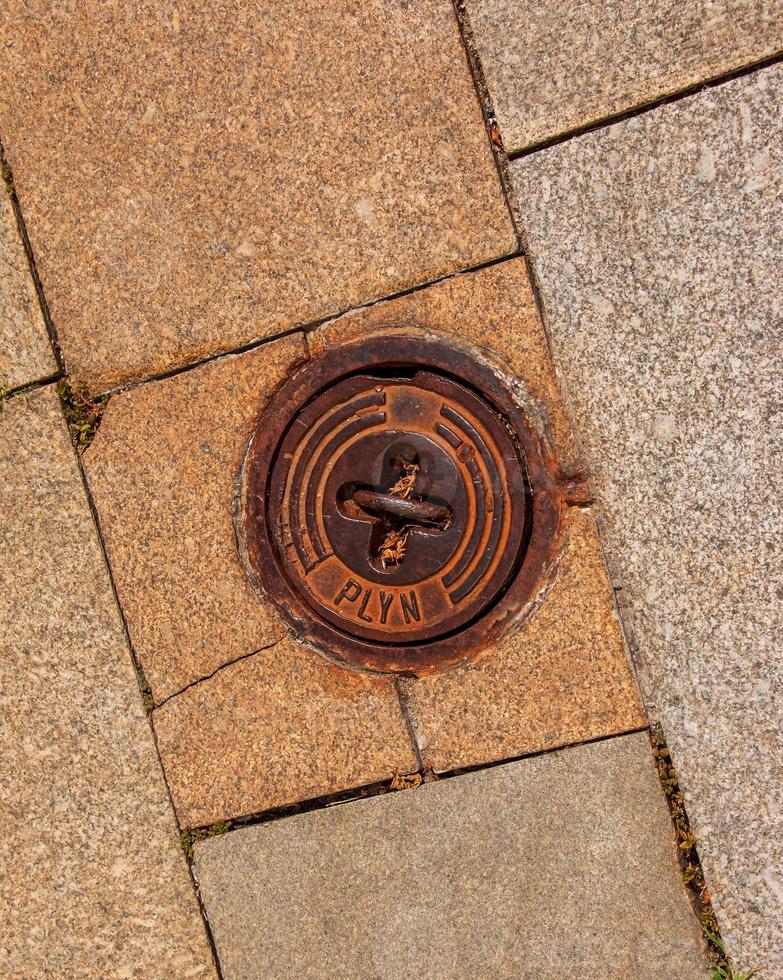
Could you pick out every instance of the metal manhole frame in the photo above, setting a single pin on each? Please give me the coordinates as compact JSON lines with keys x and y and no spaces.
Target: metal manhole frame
{"x":259,"y":544}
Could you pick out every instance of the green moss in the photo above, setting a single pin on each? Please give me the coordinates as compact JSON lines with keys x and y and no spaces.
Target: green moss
{"x":82,"y":413}
{"x":7,"y":177}
{"x":188,"y":838}
{"x":146,"y":690}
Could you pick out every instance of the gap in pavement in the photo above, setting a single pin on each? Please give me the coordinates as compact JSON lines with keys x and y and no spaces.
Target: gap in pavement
{"x":399,"y":783}
{"x":142,"y":682}
{"x":484,"y":97}
{"x":619,"y":117}
{"x":8,"y":181}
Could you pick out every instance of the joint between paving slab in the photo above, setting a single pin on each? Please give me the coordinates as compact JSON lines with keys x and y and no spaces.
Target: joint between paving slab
{"x":691,"y":871}
{"x":186,"y":855}
{"x":8,"y":180}
{"x":508,"y":760}
{"x":145,"y":694}
{"x":304,"y":328}
{"x":205,"y":920}
{"x":7,"y":176}
{"x":408,"y":708}
{"x":614,"y":118}
{"x":398,"y":782}
{"x":209,"y":359}
{"x":494,"y":135}
{"x":144,"y":688}
{"x":626,"y":626}
{"x":58,"y":377}
{"x":561,"y":386}
{"x":410,"y":290}
{"x":30,"y":386}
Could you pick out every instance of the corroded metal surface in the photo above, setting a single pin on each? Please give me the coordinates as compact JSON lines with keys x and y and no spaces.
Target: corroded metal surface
{"x":397,"y":506}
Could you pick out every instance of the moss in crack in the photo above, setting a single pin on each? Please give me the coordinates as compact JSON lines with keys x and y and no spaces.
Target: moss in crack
{"x":188,"y":838}
{"x":82,"y":413}
{"x":146,"y":690}
{"x":692,"y":873}
{"x":6,"y":176}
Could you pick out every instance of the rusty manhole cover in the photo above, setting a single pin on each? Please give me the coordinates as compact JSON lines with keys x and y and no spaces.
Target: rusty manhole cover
{"x":396,"y":506}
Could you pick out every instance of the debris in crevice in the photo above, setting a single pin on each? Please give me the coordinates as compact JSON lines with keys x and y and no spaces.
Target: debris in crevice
{"x":82,"y":413}
{"x":692,"y":872}
{"x":392,"y":549}
{"x":188,"y":838}
{"x":6,"y":176}
{"x":146,"y":690}
{"x":403,"y":780}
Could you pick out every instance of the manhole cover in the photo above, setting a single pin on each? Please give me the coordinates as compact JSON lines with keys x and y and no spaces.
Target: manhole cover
{"x":396,"y":506}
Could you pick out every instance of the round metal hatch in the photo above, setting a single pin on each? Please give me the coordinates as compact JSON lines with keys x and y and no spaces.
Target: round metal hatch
{"x":395,"y":505}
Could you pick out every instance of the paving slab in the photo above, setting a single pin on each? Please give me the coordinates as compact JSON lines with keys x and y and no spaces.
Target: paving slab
{"x":657,"y":243}
{"x":561,"y":676}
{"x":557,"y":866}
{"x":194,"y":180}
{"x":555,"y":67}
{"x":276,"y":728}
{"x":92,"y":879}
{"x":25,"y":352}
{"x":163,"y":473}
{"x":493,"y":311}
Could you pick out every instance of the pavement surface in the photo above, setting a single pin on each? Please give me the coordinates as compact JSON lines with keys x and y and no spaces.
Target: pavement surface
{"x":662,"y":290}
{"x":467,"y":876}
{"x":200,"y":201}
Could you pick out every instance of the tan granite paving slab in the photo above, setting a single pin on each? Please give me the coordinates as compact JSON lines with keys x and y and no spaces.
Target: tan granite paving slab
{"x":92,"y":879}
{"x":557,"y":866}
{"x":658,"y":249}
{"x":25,"y":352}
{"x":193,"y":179}
{"x":493,"y":311}
{"x":276,"y":728}
{"x":561,"y":677}
{"x":163,"y":472}
{"x":555,"y":67}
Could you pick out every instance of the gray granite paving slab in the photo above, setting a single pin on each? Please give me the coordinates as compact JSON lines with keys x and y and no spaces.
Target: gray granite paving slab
{"x":561,"y":865}
{"x":25,"y":352}
{"x":93,"y":882}
{"x":658,"y":248}
{"x":554,"y":67}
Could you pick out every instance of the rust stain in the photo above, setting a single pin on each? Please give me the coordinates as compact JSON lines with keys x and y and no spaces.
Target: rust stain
{"x":398,"y":507}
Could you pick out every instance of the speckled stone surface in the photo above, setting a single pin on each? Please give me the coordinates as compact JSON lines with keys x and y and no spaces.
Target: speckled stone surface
{"x":554,"y":67}
{"x":561,"y":677}
{"x":193,"y":179}
{"x":279,"y":727}
{"x":494,"y":312}
{"x":92,"y":879}
{"x":564,"y":676}
{"x":658,"y":247}
{"x":558,"y":866}
{"x":163,"y":472}
{"x":25,"y":352}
